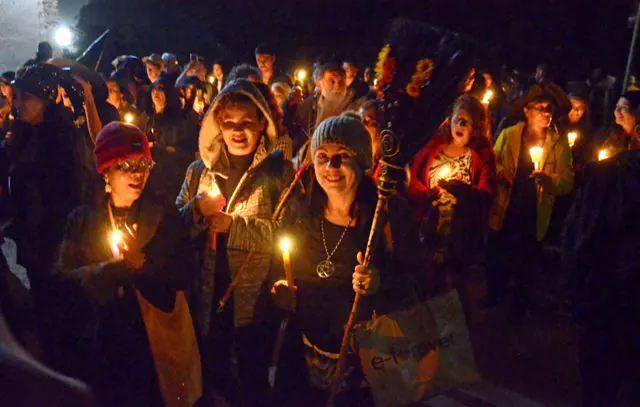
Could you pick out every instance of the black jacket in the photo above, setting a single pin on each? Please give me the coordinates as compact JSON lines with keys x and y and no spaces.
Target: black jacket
{"x":601,"y":244}
{"x":98,"y":303}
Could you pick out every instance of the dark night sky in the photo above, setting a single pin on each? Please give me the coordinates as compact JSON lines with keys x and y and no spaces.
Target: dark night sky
{"x":577,"y":34}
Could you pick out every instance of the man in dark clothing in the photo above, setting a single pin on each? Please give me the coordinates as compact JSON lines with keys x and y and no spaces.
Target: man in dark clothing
{"x":45,"y":53}
{"x":601,"y":248}
{"x":355,"y":84}
{"x":266,"y":61}
{"x":334,"y":98}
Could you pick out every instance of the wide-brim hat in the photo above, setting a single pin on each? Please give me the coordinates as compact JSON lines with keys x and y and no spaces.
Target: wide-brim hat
{"x":550,"y":93}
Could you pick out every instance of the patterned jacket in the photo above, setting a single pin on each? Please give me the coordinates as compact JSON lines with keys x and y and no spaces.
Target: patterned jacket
{"x":251,"y":206}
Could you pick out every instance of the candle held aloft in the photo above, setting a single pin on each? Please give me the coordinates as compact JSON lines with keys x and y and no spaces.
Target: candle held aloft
{"x":129,"y":118}
{"x":536,"y":156}
{"x":603,"y":154}
{"x":572,"y":136}
{"x":301,"y":75}
{"x":488,"y":95}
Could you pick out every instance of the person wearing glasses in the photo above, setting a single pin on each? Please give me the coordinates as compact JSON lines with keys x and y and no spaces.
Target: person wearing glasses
{"x":121,"y":252}
{"x":533,"y":167}
{"x":455,"y":172}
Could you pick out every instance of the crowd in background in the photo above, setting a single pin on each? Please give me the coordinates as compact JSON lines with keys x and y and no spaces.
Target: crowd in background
{"x":188,"y":163}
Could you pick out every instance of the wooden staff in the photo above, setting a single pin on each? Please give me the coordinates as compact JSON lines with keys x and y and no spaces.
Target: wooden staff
{"x":381,"y":207}
{"x":276,"y":215}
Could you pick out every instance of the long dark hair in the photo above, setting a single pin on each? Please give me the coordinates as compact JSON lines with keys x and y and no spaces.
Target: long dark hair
{"x":362,"y":210}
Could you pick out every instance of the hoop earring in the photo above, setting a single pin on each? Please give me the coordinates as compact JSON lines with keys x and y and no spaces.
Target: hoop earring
{"x":107,"y":188}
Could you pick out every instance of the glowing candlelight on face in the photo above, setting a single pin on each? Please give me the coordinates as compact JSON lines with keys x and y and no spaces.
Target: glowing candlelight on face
{"x":285,"y":246}
{"x":444,"y":172}
{"x":301,"y":75}
{"x":488,"y":95}
{"x":129,"y":118}
{"x":536,"y":156}
{"x":603,"y":154}
{"x":572,"y":136}
{"x":115,"y":241}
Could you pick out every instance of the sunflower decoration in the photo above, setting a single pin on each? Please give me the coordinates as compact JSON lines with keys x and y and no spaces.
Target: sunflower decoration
{"x":424,"y":69}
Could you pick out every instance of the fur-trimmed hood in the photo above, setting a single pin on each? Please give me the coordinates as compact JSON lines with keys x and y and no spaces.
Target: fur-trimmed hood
{"x":211,"y":143}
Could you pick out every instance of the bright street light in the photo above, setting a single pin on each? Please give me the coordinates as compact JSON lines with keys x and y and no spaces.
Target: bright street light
{"x":63,"y":37}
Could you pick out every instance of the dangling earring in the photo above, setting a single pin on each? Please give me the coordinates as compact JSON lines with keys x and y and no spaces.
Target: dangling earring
{"x":107,"y":188}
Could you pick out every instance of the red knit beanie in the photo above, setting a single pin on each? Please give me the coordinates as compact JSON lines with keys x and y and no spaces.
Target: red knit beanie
{"x":119,"y":141}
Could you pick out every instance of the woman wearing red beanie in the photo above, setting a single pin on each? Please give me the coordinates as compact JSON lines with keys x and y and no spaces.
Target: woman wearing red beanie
{"x":122,"y":268}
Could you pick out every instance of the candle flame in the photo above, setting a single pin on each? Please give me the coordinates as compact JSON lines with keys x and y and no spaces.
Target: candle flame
{"x":444,"y":172}
{"x":129,"y":118}
{"x":572,"y":136}
{"x":285,"y":244}
{"x":212,"y":79}
{"x":215,"y":190}
{"x":536,"y":156}
{"x":301,"y":75}
{"x":603,"y":154}
{"x":115,"y":242}
{"x":488,"y":95}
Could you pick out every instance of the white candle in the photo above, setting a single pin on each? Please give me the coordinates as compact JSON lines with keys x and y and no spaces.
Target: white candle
{"x":536,"y":156}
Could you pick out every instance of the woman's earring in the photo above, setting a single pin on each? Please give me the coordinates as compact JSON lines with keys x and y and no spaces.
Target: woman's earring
{"x":107,"y":188}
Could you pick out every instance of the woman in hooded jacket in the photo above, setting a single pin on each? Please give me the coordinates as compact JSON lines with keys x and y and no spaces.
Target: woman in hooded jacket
{"x":174,"y":141}
{"x":118,"y":258}
{"x":243,"y":172}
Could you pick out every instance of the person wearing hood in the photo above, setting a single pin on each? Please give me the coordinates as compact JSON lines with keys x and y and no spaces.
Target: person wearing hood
{"x":243,"y":172}
{"x":533,"y":166}
{"x":174,"y":141}
{"x":601,"y":251}
{"x":119,"y":257}
{"x":44,"y":175}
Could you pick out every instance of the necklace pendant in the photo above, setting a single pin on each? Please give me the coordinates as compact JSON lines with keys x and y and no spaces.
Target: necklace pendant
{"x":325,"y":269}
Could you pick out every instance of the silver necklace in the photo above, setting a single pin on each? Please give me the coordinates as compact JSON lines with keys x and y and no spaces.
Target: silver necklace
{"x":326,"y":268}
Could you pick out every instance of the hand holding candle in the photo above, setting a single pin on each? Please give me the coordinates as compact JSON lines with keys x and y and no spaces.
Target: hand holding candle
{"x":116,"y":243}
{"x":285,"y":246}
{"x":536,"y":156}
{"x":603,"y":154}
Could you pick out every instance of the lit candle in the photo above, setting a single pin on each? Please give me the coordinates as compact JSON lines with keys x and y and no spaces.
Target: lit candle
{"x":129,"y":118}
{"x":115,"y":241}
{"x":219,"y":202}
{"x":536,"y":156}
{"x":285,"y":246}
{"x":603,"y":154}
{"x":212,"y":79}
{"x":301,"y":75}
{"x":572,"y":136}
{"x":488,"y":95}
{"x":444,"y":172}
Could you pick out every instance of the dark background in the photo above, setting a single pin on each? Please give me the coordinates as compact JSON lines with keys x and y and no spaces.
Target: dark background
{"x":577,"y":35}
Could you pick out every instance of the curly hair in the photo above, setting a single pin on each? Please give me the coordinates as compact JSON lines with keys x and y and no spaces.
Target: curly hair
{"x":478,"y":114}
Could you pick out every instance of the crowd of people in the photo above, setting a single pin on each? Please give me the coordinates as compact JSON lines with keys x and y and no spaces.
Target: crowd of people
{"x":142,"y":213}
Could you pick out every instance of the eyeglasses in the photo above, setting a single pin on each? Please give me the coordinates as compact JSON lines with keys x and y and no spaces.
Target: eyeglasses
{"x":542,"y":109}
{"x":131,"y":166}
{"x":622,"y":109}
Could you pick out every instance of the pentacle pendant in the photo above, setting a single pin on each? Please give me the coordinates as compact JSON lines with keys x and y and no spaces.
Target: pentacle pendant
{"x":325,"y":269}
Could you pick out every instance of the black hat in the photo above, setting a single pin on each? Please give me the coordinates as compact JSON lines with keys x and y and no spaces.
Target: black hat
{"x":550,"y":93}
{"x":7,"y":77}
{"x":41,"y":80}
